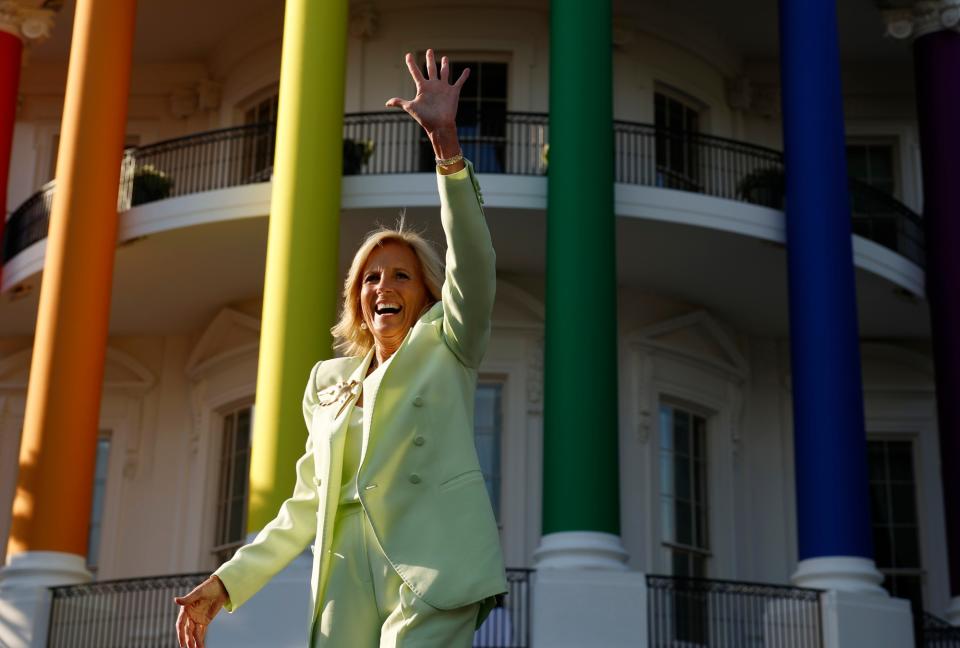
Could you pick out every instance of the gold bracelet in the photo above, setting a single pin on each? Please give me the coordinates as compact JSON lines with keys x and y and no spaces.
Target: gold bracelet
{"x":450,"y":161}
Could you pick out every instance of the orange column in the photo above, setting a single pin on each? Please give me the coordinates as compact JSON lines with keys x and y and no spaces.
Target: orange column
{"x":52,"y":506}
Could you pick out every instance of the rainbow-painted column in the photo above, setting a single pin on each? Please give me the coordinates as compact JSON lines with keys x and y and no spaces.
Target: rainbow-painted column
{"x":937,"y":59}
{"x":51,"y":510}
{"x":18,"y":24}
{"x":581,"y":517}
{"x":300,"y":287}
{"x":11,"y":48}
{"x":833,"y":501}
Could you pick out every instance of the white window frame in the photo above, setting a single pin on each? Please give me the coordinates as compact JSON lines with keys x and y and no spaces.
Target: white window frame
{"x":667,"y":545}
{"x":655,"y":372}
{"x":218,"y":419}
{"x":920,"y":571}
{"x":908,"y":175}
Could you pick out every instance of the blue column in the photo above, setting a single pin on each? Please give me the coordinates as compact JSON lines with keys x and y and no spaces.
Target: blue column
{"x":833,"y":512}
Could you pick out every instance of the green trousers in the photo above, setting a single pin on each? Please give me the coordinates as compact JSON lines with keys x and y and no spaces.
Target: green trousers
{"x":365,"y":604}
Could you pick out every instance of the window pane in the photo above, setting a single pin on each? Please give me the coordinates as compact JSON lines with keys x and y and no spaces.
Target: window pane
{"x":879,"y":504}
{"x":906,"y":552}
{"x":902,"y":504}
{"x":99,"y":494}
{"x":684,"y":521}
{"x":882,"y":550}
{"x":666,"y":518}
{"x":681,"y":431}
{"x":234,"y":478}
{"x":666,"y":428}
{"x":876,"y":461}
{"x":682,"y":478}
{"x":487,"y":418}
{"x":900,"y":463}
{"x":666,"y":473}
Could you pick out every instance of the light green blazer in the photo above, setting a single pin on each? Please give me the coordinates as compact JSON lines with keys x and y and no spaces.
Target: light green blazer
{"x":420,"y":481}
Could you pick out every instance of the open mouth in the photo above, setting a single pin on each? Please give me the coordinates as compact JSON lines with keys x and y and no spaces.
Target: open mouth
{"x":387,"y":308}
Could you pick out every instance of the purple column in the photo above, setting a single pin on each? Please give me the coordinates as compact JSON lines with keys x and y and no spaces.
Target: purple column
{"x":937,"y":60}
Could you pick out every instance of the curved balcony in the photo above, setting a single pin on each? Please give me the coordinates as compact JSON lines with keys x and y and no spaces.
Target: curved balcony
{"x":516,"y":143}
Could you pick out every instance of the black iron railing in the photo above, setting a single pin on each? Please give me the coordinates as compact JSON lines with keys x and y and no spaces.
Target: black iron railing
{"x":508,"y":625}
{"x":118,"y":614}
{"x":517,"y":143}
{"x":937,"y":633}
{"x":731,"y":614}
{"x":140,"y":612}
{"x":28,"y":223}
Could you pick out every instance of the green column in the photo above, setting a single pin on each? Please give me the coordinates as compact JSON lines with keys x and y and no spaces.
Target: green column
{"x":300,"y":286}
{"x":580,"y":479}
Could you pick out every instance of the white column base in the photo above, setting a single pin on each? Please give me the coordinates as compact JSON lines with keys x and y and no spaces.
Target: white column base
{"x":855,"y":619}
{"x":952,"y":614}
{"x":573,"y":608}
{"x":277,"y":616}
{"x":580,"y":550}
{"x":842,"y":573}
{"x":25,"y":599}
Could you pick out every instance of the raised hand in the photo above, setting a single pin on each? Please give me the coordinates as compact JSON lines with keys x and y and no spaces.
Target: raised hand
{"x":435,"y":105}
{"x":197,"y":611}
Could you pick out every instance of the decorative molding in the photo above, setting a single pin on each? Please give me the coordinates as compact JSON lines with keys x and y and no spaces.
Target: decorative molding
{"x":364,"y":21}
{"x":732,"y":363}
{"x":31,"y":24}
{"x":229,"y":335}
{"x":925,"y":17}
{"x":646,"y":415}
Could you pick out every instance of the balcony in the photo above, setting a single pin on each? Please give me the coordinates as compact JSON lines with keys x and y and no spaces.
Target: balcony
{"x":140,"y":612}
{"x":391,"y":143}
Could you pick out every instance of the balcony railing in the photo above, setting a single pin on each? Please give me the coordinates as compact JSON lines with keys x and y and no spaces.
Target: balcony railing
{"x":937,"y":633}
{"x":517,"y":143}
{"x":686,"y":612}
{"x":118,"y":614}
{"x":140,"y":612}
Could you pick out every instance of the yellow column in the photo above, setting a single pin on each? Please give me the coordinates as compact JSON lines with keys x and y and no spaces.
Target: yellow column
{"x":300,"y":287}
{"x":51,"y":510}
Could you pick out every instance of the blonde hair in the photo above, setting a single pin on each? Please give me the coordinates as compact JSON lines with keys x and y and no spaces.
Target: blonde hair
{"x":349,"y":337}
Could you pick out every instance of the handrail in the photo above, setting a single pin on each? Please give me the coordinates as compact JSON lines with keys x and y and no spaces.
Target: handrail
{"x":517,"y":143}
{"x":702,"y":611}
{"x":140,"y":612}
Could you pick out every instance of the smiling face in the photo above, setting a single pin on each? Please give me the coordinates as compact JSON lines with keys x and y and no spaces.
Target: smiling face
{"x":392,"y":295}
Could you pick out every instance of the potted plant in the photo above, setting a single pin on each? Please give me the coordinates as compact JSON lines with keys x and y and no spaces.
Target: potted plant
{"x":150,"y":184}
{"x":356,"y":153}
{"x":765,"y":186}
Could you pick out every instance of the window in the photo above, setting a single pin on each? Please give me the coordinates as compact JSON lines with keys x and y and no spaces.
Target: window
{"x":893,"y":512}
{"x":683,"y":510}
{"x":873,"y":164}
{"x":676,"y":122}
{"x":488,"y":432}
{"x":259,"y":146}
{"x":481,"y":116}
{"x":100,"y":471}
{"x":231,"y":506}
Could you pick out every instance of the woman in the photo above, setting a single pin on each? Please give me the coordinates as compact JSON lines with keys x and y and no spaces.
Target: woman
{"x":406,"y":548}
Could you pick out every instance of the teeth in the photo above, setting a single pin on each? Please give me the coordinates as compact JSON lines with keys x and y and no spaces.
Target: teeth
{"x":387,"y":306}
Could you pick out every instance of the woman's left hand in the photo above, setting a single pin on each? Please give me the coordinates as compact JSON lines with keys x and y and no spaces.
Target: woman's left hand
{"x":435,"y":106}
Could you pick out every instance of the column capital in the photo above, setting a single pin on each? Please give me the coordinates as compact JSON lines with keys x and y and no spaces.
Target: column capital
{"x":26,"y":21}
{"x":925,"y":17}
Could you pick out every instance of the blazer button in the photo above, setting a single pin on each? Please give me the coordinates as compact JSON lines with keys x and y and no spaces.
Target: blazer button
{"x":419,"y":440}
{"x":414,"y":478}
{"x":317,"y":481}
{"x":418,"y":402}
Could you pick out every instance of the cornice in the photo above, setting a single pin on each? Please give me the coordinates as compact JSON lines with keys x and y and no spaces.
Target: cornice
{"x":31,"y":23}
{"x":925,"y":17}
